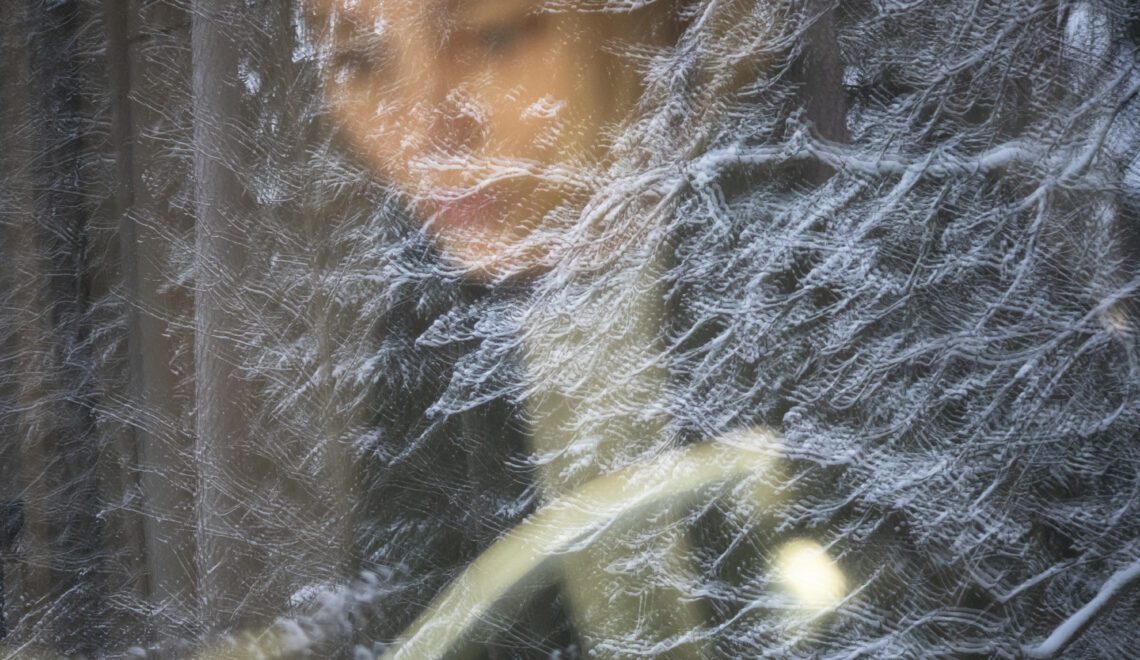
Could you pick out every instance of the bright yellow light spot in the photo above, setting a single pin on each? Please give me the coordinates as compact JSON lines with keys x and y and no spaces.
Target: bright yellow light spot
{"x":810,"y":575}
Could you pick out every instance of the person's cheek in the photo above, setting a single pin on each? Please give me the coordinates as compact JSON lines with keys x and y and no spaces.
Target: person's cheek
{"x":372,"y":127}
{"x":522,"y":123}
{"x":542,"y":102}
{"x":570,"y":73}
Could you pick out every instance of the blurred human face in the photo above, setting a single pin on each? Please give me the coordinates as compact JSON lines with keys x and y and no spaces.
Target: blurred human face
{"x":485,"y":113}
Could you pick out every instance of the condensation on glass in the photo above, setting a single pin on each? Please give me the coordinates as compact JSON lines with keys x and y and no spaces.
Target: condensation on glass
{"x":569,"y":328}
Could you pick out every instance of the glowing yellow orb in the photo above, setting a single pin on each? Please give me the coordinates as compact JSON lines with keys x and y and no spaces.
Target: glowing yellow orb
{"x":810,"y":575}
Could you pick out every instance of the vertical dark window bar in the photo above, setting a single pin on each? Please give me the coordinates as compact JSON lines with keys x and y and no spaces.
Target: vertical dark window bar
{"x":150,"y":589}
{"x":9,"y":72}
{"x":59,"y":471}
{"x":13,"y":73}
{"x":11,"y":521}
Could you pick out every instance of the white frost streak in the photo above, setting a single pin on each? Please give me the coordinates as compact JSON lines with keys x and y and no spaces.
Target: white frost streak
{"x":1072,"y":626}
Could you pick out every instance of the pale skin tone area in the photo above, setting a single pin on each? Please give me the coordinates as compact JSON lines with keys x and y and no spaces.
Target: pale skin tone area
{"x":486,"y":114}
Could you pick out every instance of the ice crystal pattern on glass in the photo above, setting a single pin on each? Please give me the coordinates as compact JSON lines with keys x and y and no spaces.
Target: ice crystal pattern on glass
{"x":834,"y":352}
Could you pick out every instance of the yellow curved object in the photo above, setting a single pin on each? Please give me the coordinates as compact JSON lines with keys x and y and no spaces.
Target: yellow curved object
{"x":555,"y":529}
{"x":678,"y":477}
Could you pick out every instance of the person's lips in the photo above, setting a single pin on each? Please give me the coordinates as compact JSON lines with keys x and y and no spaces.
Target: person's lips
{"x":447,"y":211}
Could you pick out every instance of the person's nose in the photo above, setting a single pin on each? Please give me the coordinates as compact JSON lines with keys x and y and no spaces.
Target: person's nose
{"x":457,"y":122}
{"x":446,"y":117}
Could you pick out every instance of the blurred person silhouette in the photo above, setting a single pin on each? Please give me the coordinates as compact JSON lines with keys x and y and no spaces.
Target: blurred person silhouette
{"x":501,"y":123}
